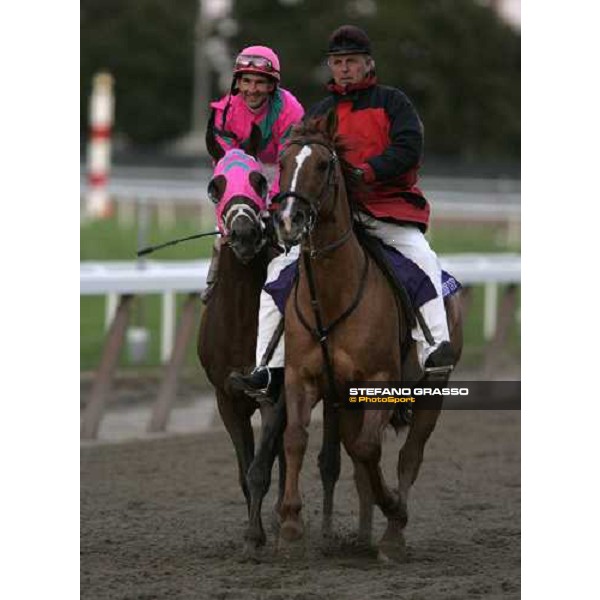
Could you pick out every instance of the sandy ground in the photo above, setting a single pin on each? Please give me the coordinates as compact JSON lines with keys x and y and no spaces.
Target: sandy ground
{"x":164,"y":517}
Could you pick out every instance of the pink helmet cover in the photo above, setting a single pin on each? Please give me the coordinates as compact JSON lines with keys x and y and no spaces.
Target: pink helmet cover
{"x":264,"y":52}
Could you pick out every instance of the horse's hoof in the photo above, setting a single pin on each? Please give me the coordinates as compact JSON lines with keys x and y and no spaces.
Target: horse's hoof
{"x":252,"y":551}
{"x":388,"y":552}
{"x":388,"y":557}
{"x":291,"y":531}
{"x":254,"y":540}
{"x":291,"y":549}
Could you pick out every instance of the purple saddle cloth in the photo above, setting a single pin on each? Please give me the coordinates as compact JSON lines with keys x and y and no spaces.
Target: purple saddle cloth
{"x":411,"y":276}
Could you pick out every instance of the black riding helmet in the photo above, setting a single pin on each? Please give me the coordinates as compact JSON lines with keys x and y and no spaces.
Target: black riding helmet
{"x":349,"y":39}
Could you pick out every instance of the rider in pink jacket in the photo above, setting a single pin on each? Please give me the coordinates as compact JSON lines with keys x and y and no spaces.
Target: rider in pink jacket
{"x":255,"y":98}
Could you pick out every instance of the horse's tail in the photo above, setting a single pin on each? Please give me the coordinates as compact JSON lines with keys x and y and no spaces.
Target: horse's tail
{"x":375,"y":250}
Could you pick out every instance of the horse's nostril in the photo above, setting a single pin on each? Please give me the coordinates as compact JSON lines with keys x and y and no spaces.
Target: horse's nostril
{"x":233,"y":235}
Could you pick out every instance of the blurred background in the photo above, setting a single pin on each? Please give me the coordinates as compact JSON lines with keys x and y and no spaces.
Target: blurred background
{"x":459,"y":62}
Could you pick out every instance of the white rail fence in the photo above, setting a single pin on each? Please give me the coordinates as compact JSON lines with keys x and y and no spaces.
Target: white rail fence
{"x":485,"y":200}
{"x":168,"y":278}
{"x":120,"y":282}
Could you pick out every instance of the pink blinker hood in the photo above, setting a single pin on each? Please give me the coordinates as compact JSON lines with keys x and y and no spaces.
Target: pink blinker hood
{"x":236,"y":167}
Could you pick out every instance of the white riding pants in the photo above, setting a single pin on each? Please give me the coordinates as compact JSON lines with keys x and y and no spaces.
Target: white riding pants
{"x":269,"y":315}
{"x":408,"y":240}
{"x":411,"y":242}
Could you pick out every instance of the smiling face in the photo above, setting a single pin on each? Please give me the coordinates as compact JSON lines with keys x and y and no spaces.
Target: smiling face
{"x":255,"y":89}
{"x":348,"y":69}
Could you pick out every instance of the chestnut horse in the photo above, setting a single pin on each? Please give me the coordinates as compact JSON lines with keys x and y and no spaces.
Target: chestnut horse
{"x":342,"y":324}
{"x":227,"y":336}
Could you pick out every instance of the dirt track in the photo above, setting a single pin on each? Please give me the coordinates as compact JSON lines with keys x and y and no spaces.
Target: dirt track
{"x":164,"y":518}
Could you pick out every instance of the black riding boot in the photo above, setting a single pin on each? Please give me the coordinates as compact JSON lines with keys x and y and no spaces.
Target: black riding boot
{"x":439,"y":363}
{"x":213,"y":272}
{"x":262,"y":382}
{"x":437,"y":369}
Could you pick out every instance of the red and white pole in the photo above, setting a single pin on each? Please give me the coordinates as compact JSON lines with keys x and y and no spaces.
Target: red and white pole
{"x":101,"y":120}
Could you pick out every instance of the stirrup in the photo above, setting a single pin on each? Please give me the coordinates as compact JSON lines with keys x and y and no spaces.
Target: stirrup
{"x":437,"y":374}
{"x":445,"y":370}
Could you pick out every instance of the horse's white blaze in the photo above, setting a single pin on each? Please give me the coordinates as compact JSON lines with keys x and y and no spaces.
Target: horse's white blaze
{"x":286,"y":215}
{"x":300,"y":158}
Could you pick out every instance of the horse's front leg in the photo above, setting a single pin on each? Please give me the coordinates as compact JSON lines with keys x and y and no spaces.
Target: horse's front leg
{"x":410,"y":456}
{"x":258,"y":477}
{"x":329,"y":461}
{"x":365,"y":503}
{"x":363,"y":443}
{"x":236,"y":419}
{"x":299,"y":401}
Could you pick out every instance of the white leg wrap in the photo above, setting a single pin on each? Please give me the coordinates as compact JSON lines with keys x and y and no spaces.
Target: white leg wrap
{"x":412,"y":243}
{"x":269,"y":315}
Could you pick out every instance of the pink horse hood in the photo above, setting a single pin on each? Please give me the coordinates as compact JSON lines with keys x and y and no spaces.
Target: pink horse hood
{"x":236,"y":166}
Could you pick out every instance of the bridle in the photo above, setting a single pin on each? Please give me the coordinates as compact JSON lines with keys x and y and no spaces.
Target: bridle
{"x":330,"y":184}
{"x":243,"y":210}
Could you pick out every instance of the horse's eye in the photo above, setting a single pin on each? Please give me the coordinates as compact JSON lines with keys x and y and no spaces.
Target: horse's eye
{"x":212,"y":196}
{"x":259,"y":183}
{"x":216,"y":187}
{"x":322,"y":165}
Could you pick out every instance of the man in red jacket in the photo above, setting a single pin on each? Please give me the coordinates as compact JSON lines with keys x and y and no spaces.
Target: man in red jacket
{"x":385,"y":138}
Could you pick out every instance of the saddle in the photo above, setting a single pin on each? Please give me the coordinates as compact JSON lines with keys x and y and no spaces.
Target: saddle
{"x":410,"y":283}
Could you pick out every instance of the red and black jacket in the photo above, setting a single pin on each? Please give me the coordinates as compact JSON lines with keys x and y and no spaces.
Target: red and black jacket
{"x":385,"y":138}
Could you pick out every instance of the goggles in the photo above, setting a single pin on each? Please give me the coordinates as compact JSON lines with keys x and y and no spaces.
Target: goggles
{"x":245,"y":61}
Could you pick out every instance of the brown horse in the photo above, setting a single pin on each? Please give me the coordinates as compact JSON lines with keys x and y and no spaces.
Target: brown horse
{"x":227,"y":340}
{"x":342,"y":324}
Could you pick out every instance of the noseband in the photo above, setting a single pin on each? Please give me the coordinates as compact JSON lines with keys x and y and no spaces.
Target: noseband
{"x":240,"y":210}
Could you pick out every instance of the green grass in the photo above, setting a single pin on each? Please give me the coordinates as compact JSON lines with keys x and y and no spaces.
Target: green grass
{"x":105,"y":240}
{"x":453,"y":238}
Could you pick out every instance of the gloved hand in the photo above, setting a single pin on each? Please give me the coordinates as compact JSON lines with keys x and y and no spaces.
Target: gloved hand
{"x":365,"y":173}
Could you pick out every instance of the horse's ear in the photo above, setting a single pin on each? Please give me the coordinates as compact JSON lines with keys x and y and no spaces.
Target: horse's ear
{"x":213,"y":147}
{"x":254,"y":141}
{"x":331,"y":123}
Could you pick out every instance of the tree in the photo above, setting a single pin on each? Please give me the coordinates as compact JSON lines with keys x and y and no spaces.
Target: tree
{"x":456,"y":59}
{"x":147,"y":45}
